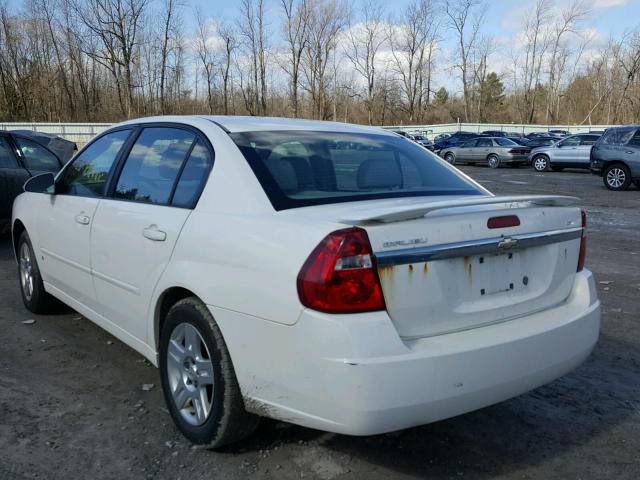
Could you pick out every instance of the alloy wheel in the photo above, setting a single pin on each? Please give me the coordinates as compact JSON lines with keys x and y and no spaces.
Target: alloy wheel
{"x":540,"y":164}
{"x":616,"y":177}
{"x":26,"y":271}
{"x":190,"y":374}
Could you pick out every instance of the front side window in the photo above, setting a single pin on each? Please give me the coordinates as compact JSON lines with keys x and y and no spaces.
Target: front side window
{"x":87,"y":174}
{"x":303,"y":168}
{"x":153,"y":165}
{"x":569,"y":142}
{"x":36,"y":157}
{"x":7,"y":159}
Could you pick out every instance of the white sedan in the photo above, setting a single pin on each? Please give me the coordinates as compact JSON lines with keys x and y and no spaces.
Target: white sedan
{"x":335,"y":276}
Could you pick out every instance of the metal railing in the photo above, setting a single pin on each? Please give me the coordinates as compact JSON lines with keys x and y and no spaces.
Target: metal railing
{"x":432,"y":130}
{"x":83,"y":132}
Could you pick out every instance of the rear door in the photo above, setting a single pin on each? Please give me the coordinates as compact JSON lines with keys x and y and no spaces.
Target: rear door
{"x":12,"y":178}
{"x":483,"y":149}
{"x":584,"y":150}
{"x":135,"y":230}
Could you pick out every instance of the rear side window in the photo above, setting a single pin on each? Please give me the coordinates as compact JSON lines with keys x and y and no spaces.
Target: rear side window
{"x":634,"y":141}
{"x":194,"y":175}
{"x":618,"y":136}
{"x":485,"y":142}
{"x":87,"y":174}
{"x":7,"y":159}
{"x":505,"y":142}
{"x":152,"y":167}
{"x":36,"y":157}
{"x":302,"y":168}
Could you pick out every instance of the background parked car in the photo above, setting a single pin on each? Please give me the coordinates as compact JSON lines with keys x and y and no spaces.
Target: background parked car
{"x":616,"y":157}
{"x":454,"y":140}
{"x":572,"y":152}
{"x":422,"y":140}
{"x":540,"y":141}
{"x":24,"y":154}
{"x":493,"y":151}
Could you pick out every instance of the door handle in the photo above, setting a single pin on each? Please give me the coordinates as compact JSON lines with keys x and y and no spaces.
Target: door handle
{"x":152,"y":233}
{"x":630,"y":152}
{"x":83,"y":219}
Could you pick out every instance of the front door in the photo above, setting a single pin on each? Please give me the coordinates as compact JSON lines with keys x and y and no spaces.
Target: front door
{"x":135,"y":231}
{"x":65,"y":219}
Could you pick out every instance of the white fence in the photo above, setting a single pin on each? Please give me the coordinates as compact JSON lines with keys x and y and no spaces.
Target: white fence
{"x":432,"y":130}
{"x":83,"y":132}
{"x":77,"y":132}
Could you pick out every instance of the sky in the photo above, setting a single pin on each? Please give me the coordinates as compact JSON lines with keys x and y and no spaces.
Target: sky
{"x":606,"y":19}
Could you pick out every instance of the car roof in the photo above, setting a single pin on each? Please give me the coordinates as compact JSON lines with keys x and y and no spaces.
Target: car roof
{"x":233,"y":124}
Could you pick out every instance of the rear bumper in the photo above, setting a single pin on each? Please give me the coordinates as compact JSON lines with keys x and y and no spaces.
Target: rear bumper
{"x":354,"y":375}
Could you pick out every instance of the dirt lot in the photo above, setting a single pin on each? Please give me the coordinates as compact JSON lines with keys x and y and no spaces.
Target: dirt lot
{"x":72,"y":406}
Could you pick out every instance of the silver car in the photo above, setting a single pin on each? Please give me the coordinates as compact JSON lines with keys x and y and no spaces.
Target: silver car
{"x":570,"y":152}
{"x":493,"y":151}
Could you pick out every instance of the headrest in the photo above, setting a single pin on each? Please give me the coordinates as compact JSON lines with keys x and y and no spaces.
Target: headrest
{"x":379,"y":173}
{"x":284,"y":174}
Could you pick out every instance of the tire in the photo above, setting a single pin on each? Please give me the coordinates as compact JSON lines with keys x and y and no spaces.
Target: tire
{"x":557,"y":169}
{"x":616,"y":177}
{"x":540,"y":163}
{"x":493,"y":161}
{"x":34,"y":297}
{"x":450,"y":158}
{"x":205,"y":403}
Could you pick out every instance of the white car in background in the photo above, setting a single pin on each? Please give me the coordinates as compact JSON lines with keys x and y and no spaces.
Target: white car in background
{"x":330,"y":275}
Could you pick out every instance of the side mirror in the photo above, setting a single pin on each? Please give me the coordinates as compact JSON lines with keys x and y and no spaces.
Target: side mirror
{"x":44,"y":183}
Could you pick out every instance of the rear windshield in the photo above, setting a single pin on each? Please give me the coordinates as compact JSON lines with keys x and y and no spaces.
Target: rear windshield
{"x":302,"y":168}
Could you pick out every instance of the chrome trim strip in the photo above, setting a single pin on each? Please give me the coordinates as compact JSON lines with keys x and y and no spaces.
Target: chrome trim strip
{"x":116,"y":282}
{"x":66,"y":261}
{"x":495,"y":245}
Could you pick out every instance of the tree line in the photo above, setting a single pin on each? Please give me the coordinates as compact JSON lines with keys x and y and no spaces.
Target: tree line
{"x":431,"y":62}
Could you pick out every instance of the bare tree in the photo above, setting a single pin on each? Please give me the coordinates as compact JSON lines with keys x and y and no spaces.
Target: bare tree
{"x":296,"y":31}
{"x":116,"y":24}
{"x":365,"y":40}
{"x":205,"y":53}
{"x":253,"y":28}
{"x":465,"y":18}
{"x":327,"y":19}
{"x":412,"y":43}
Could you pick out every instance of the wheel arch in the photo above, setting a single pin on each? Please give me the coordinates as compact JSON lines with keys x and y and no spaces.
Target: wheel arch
{"x":16,"y":230}
{"x":608,"y":163}
{"x":167,"y":299}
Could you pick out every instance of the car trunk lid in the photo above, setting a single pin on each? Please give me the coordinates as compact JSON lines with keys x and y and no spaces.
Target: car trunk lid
{"x":443,"y":269}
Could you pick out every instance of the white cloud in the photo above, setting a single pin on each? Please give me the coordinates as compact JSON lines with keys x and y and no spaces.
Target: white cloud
{"x":609,"y":3}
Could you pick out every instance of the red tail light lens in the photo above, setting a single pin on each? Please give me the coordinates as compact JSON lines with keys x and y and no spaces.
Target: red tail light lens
{"x":503,"y":222}
{"x":583,"y":243}
{"x":340,"y":275}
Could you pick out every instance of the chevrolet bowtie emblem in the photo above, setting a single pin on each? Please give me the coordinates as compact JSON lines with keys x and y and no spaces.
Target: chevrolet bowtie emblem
{"x":507,"y":243}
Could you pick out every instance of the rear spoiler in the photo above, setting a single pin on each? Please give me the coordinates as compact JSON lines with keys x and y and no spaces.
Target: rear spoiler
{"x":408,"y":212}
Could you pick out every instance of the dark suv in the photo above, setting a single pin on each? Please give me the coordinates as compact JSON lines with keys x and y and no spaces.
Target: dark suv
{"x":616,"y":157}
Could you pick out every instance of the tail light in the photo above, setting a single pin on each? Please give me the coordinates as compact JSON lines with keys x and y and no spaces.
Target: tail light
{"x":583,"y":242}
{"x":340,"y":275}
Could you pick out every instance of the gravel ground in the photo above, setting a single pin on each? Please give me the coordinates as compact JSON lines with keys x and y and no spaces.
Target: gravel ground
{"x":72,"y":403}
